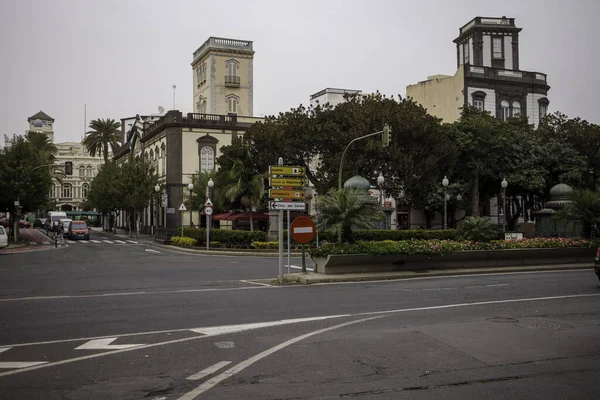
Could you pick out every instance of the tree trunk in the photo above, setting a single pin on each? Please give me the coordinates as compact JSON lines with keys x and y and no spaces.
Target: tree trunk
{"x":475,"y":194}
{"x":252,"y":218}
{"x":137,"y":225}
{"x":129,"y":225}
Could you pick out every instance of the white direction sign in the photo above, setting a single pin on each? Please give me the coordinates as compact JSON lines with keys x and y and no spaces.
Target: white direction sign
{"x":208,"y":210}
{"x":287,"y":205}
{"x":105,"y":344}
{"x":182,"y":207}
{"x":208,"y":203}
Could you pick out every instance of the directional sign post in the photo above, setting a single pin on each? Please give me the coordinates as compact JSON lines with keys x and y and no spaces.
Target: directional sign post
{"x":279,"y":170}
{"x":287,"y":205}
{"x":283,"y":182}
{"x":298,"y":194}
{"x":303,"y":231}
{"x":182,"y":209}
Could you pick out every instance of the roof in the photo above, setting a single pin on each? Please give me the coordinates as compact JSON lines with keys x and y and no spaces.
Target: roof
{"x":41,"y":116}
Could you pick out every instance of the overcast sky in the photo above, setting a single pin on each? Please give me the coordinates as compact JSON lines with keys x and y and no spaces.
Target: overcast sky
{"x":122,"y":57}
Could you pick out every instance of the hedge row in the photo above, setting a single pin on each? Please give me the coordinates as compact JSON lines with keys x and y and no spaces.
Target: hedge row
{"x":226,"y":237}
{"x":183,"y":241}
{"x":395,"y":235}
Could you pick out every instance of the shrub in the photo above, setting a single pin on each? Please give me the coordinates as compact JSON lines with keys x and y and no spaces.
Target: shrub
{"x":477,"y":229}
{"x":183,"y":241}
{"x":226,"y":237}
{"x":266,"y":245}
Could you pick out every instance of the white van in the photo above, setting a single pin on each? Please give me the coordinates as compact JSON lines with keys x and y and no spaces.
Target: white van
{"x":54,"y":218}
{"x":3,"y":237}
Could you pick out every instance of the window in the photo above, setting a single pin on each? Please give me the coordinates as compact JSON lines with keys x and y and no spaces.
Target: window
{"x":81,"y":171}
{"x":156,"y":157}
{"x":232,"y":104}
{"x":164,"y":159}
{"x":52,"y":193}
{"x":516,"y":108}
{"x":543,"y":103}
{"x":466,"y":52}
{"x":232,"y":67}
{"x":479,"y":100}
{"x":69,"y":168}
{"x":201,"y":75}
{"x":202,"y":105}
{"x":504,"y":110}
{"x":207,"y":159}
{"x":85,"y":189}
{"x":66,"y":190}
{"x":497,"y":53}
{"x":89,"y":171}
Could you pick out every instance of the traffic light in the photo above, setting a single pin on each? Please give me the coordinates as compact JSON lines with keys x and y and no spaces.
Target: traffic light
{"x":386,"y":138}
{"x":69,"y":168}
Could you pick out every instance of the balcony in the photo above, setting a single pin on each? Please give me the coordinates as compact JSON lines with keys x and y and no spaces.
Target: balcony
{"x":506,"y":75}
{"x":223,"y":44}
{"x":232,"y":81}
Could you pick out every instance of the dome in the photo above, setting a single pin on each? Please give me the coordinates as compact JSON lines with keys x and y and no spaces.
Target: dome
{"x":357,"y":182}
{"x":561,"y":192}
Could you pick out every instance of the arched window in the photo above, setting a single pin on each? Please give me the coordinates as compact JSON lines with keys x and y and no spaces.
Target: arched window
{"x":207,"y":159}
{"x":504,"y":110}
{"x":232,"y":67}
{"x":232,"y":104}
{"x":516,"y":108}
{"x":85,"y":189}
{"x":543,"y":104}
{"x":201,"y":75}
{"x":164,"y":159}
{"x":81,"y":170}
{"x":52,"y":193}
{"x":66,"y":190}
{"x":89,"y":171}
{"x":479,"y":100}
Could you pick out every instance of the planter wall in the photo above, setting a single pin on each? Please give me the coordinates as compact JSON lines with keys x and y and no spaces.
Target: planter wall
{"x":356,"y":263}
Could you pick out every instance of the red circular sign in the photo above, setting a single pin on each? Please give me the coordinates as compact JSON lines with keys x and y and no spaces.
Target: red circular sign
{"x":303,"y":229}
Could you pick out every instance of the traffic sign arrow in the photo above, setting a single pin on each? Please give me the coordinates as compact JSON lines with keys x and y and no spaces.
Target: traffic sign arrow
{"x":287,"y":205}
{"x":278,"y":170}
{"x":105,"y":344}
{"x":287,"y":194}
{"x":294,"y":182}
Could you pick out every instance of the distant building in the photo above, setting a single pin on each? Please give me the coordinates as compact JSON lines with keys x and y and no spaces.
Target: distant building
{"x":331,"y":96}
{"x":223,"y":77}
{"x":488,"y":76}
{"x":69,"y":194}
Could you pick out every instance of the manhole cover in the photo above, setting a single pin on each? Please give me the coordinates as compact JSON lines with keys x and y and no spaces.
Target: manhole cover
{"x":554,"y":326}
{"x":503,"y":320}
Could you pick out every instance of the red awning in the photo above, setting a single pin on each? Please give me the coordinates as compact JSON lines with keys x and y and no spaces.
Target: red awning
{"x":245,"y":216}
{"x":223,"y":216}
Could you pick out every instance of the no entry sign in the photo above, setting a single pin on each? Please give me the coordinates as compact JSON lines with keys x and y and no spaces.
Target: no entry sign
{"x":303,"y":229}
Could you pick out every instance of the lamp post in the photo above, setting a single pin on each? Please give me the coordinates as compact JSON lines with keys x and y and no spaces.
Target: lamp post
{"x":190,"y":188}
{"x":380,"y":180}
{"x":504,"y":185}
{"x":157,"y":191}
{"x":209,"y":188}
{"x":445,"y":183}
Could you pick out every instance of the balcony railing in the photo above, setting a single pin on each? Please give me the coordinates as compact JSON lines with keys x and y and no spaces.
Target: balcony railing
{"x":505,"y":74}
{"x":232,"y":81}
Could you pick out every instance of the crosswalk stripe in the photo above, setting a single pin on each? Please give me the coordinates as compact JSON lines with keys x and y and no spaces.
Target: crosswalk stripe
{"x":95,"y":241}
{"x":120,"y":242}
{"x":131,"y":241}
{"x":108,"y":241}
{"x":70,"y":241}
{"x":32,"y":242}
{"x":46,"y":242}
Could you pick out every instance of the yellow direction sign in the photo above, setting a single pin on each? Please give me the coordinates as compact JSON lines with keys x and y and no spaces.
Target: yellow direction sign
{"x":294,"y":171}
{"x":294,"y":182}
{"x":287,"y":194}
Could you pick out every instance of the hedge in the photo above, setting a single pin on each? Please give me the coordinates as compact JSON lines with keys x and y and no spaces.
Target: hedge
{"x":183,"y":241}
{"x":226,"y":237}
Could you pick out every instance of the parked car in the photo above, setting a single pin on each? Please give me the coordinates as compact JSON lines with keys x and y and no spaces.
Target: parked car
{"x":24,"y":224}
{"x":78,"y":230}
{"x":3,"y":237}
{"x":597,"y":263}
{"x":39,"y":223}
{"x":65,"y":222}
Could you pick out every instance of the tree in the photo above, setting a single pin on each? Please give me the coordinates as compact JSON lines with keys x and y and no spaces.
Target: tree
{"x":246,"y":187}
{"x":584,"y":207}
{"x":104,"y":194}
{"x":340,"y":210}
{"x":103,"y":136}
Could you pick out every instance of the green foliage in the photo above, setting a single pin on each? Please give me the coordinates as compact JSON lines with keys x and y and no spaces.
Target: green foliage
{"x":340,"y":210}
{"x":104,"y":190}
{"x":244,"y":186}
{"x":439,"y":247}
{"x":266,"y":245}
{"x":104,"y":134}
{"x":226,"y":237}
{"x":183,"y":241}
{"x":477,"y":229}
{"x":584,"y":207}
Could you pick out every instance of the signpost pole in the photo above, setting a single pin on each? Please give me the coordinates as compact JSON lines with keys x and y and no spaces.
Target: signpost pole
{"x":303,"y":260}
{"x":280,"y":222}
{"x":288,"y":240}
{"x":182,"y":224}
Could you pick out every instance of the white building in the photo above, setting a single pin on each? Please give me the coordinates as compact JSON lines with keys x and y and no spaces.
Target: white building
{"x":331,"y":95}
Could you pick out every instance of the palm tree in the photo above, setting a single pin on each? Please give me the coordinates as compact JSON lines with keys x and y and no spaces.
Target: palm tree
{"x":46,"y":151}
{"x":104,"y":134}
{"x":246,"y":187}
{"x":583,"y":207}
{"x":340,"y":210}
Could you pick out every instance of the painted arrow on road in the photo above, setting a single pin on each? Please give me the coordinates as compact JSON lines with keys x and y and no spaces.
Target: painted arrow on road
{"x":18,"y":364}
{"x":105,"y":344}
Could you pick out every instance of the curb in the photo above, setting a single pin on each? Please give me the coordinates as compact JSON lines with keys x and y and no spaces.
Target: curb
{"x":247,"y":253}
{"x":312,"y":278}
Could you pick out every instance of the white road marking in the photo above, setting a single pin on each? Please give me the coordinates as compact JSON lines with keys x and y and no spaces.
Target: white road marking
{"x":132,"y":241}
{"x":256,"y":283}
{"x":105,"y":344}
{"x":208,"y":371}
{"x":108,"y":241}
{"x":46,"y":242}
{"x":4,"y":349}
{"x":152,"y":251}
{"x":33,"y":242}
{"x":95,"y":241}
{"x":71,"y":241}
{"x":191,"y":395}
{"x":120,"y":241}
{"x":85,"y":296}
{"x":225,"y":345}
{"x":220,"y":331}
{"x":20,"y":364}
{"x":297,"y":267}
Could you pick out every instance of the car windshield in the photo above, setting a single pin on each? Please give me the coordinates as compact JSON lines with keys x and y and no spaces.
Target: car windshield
{"x":79,"y":225}
{"x":55,"y":218}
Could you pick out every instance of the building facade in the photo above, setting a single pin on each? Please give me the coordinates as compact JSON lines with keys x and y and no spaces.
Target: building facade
{"x":332,"y":96}
{"x":223,"y":77}
{"x":71,"y":193}
{"x":488,"y":76}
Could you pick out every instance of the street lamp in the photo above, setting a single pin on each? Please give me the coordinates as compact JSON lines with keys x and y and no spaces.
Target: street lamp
{"x":445,"y":183}
{"x":190,"y":188}
{"x":380,"y":180}
{"x":504,"y":185}
{"x":209,"y":188}
{"x":157,"y":190}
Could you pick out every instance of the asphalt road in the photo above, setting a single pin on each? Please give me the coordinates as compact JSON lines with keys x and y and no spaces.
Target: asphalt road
{"x":112,"y":320}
